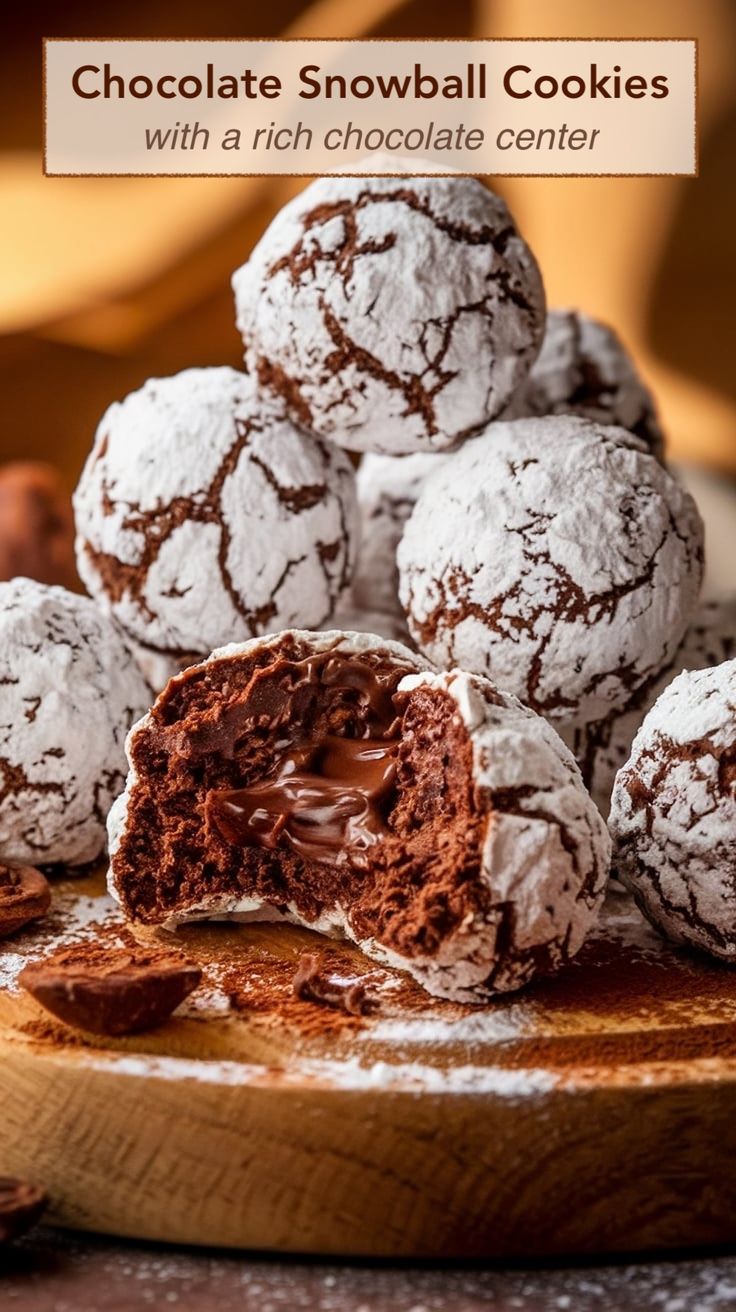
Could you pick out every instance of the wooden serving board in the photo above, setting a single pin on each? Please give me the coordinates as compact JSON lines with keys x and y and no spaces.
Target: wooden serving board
{"x":593,"y":1112}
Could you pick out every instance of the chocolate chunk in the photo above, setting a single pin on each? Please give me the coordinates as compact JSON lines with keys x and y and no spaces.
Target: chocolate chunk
{"x":24,"y":896}
{"x":316,"y":981}
{"x":111,"y":990}
{"x":21,"y":1204}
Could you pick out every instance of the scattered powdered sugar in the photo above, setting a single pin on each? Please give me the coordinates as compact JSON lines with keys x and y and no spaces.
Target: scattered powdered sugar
{"x":73,"y":918}
{"x":349,"y":1074}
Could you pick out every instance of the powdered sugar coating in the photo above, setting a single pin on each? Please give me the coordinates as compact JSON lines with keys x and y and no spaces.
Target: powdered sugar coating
{"x":601,"y":749}
{"x":673,"y":812}
{"x":353,"y":619}
{"x":203,"y":516}
{"x":69,"y":691}
{"x":544,"y":856}
{"x":388,"y":487}
{"x":391,"y":315}
{"x":556,"y":556}
{"x":583,"y":369}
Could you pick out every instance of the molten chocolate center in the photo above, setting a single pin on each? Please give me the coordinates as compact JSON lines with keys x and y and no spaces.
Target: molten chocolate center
{"x":330,"y":793}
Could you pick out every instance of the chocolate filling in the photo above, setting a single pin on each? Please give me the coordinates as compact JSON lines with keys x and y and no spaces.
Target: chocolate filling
{"x":329,"y":796}
{"x":304,"y":780}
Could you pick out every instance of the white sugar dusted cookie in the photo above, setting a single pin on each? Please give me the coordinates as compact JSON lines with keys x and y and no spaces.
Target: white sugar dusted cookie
{"x":601,"y":749}
{"x":583,"y":369}
{"x":203,"y":517}
{"x":69,"y":691}
{"x":391,"y":314}
{"x":329,"y":780}
{"x":353,"y":619}
{"x":673,"y":812}
{"x":388,"y":487}
{"x":556,"y":556}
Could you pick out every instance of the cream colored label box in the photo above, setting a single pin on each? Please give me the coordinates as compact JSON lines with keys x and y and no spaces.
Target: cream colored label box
{"x":304,"y":107}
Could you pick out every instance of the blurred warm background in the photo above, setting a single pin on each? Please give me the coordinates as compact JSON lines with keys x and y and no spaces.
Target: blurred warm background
{"x":109,"y":280}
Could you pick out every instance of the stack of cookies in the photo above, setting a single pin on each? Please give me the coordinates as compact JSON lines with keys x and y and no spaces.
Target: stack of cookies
{"x":377,"y":690}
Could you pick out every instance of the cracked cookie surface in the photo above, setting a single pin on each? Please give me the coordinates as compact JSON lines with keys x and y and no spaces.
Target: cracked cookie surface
{"x":673,"y":812}
{"x":203,"y":517}
{"x":602,"y":749}
{"x":556,"y":556}
{"x":391,"y":315}
{"x":583,"y":369}
{"x":69,"y":691}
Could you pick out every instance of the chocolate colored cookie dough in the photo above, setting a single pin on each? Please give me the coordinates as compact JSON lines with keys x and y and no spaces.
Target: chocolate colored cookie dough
{"x":673,"y":812}
{"x":69,"y":692}
{"x":556,"y":556}
{"x":391,"y":314}
{"x":203,"y":517}
{"x":36,"y":525}
{"x":111,"y":990}
{"x":601,"y":749}
{"x":329,"y":780}
{"x":583,"y":369}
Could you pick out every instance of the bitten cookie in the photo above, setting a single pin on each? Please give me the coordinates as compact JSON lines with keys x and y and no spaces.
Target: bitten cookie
{"x":203,"y":517}
{"x":69,"y":692}
{"x":601,"y":749}
{"x":673,"y":812}
{"x":327,"y":779}
{"x":391,"y":315}
{"x":583,"y":369}
{"x":556,"y":556}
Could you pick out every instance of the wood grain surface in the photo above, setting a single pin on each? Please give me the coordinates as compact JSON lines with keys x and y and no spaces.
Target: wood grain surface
{"x":594,"y":1112}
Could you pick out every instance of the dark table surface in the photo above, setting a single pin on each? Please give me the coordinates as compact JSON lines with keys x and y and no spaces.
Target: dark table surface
{"x":52,"y":1271}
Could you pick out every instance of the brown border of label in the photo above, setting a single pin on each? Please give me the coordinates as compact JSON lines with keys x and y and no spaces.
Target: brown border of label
{"x":375,"y":40}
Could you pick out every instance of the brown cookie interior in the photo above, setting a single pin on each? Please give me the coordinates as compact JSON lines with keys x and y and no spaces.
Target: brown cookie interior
{"x":304,"y":780}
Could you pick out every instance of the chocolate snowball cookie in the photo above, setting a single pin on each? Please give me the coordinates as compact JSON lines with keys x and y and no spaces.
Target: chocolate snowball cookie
{"x":673,"y":812}
{"x":583,"y":369}
{"x":601,"y":749}
{"x":391,"y":314}
{"x":69,"y":691}
{"x":349,"y":618}
{"x":556,"y":556}
{"x":204,"y":517}
{"x":388,"y":487}
{"x":329,"y":780}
